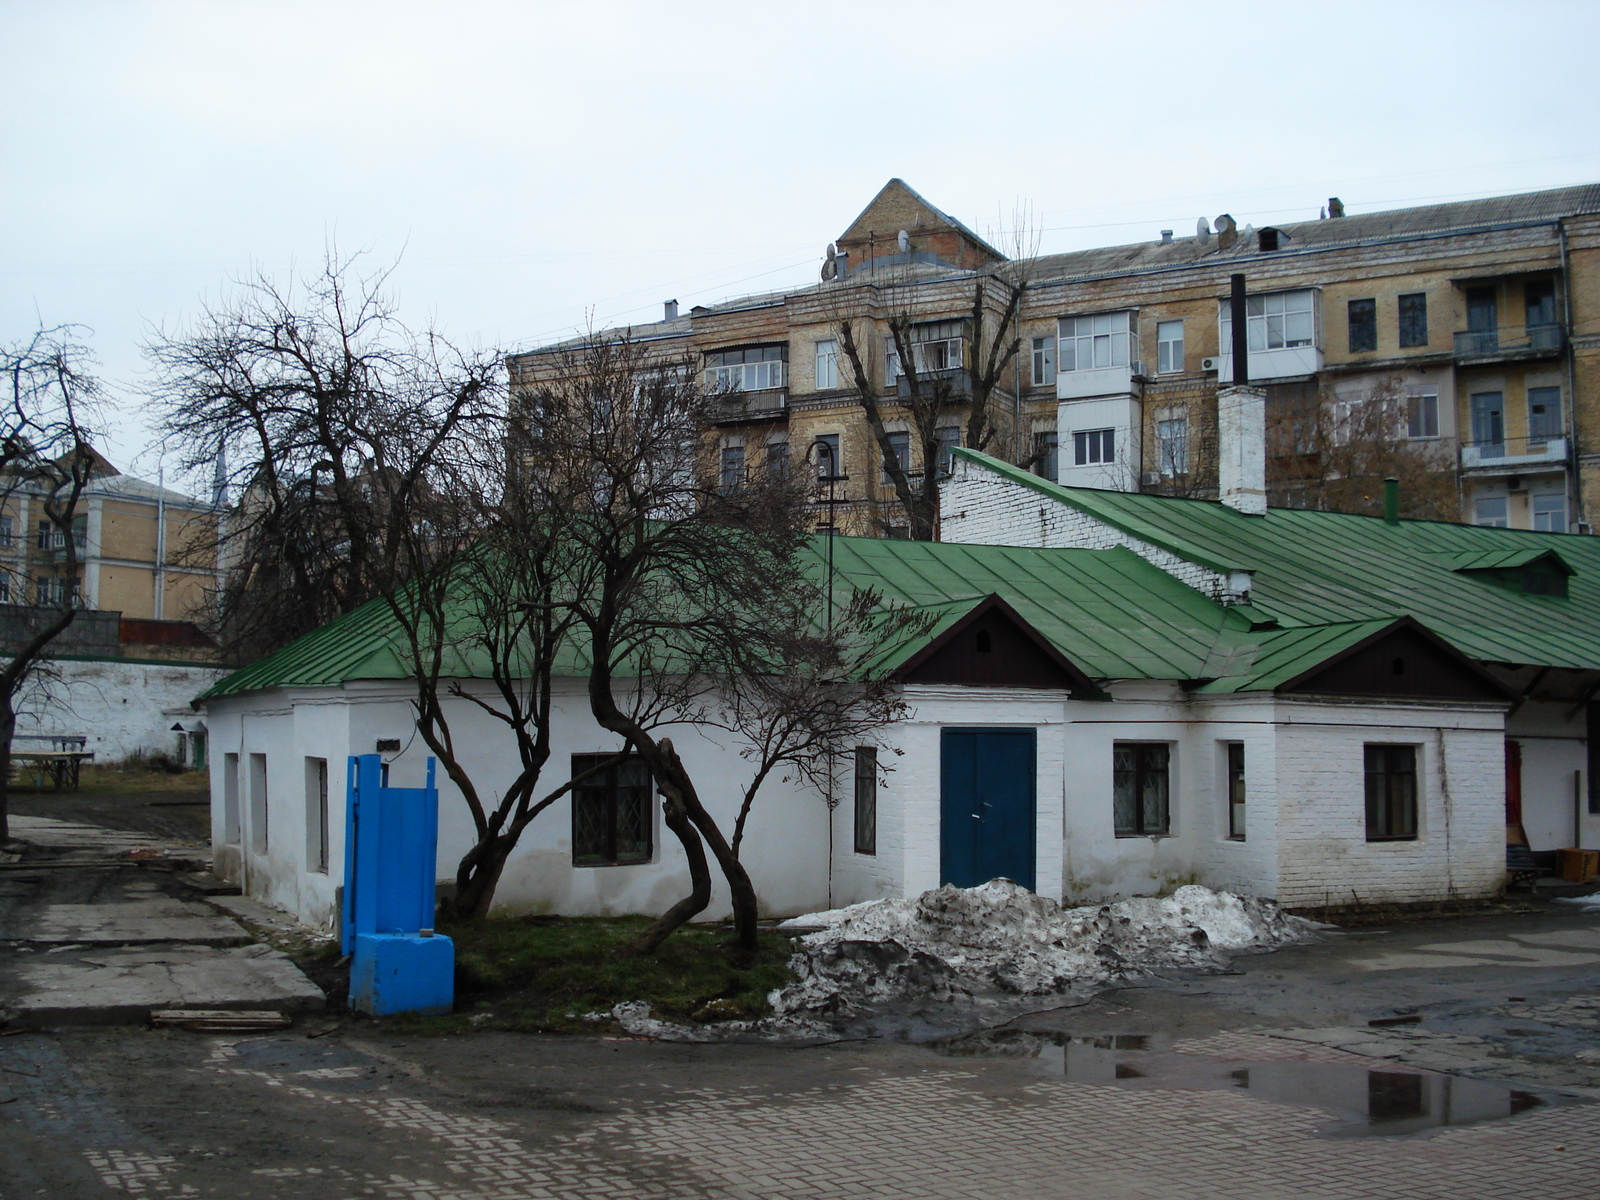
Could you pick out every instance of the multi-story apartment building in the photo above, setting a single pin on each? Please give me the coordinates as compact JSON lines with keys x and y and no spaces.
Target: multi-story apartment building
{"x":140,"y":549}
{"x":1472,"y":327}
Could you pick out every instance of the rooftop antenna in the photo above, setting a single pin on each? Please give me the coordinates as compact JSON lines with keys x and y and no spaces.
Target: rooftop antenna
{"x":905,"y":242}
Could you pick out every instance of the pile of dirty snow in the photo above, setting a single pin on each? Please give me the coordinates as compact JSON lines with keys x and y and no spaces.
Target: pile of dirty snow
{"x":1001,"y":940}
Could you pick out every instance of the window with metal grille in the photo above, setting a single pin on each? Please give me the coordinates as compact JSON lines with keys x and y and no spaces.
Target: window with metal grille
{"x":1413,"y":319}
{"x":1141,"y":788}
{"x":611,"y":813}
{"x":1391,"y":786}
{"x":1094,"y":446}
{"x":1363,"y":315}
{"x":866,"y":813}
{"x":1236,"y":791}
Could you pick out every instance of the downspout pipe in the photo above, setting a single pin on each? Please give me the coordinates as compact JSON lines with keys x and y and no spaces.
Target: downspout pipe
{"x":1572,"y":381}
{"x":1241,"y":336}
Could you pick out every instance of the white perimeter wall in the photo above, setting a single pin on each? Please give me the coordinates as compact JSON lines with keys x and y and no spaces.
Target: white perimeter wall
{"x":122,"y":707}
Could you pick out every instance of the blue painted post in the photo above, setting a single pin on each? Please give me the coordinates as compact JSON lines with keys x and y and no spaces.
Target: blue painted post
{"x":391,"y":857}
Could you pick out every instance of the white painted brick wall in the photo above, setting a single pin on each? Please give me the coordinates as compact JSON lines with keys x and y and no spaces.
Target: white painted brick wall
{"x":1324,"y":857}
{"x":980,"y":507}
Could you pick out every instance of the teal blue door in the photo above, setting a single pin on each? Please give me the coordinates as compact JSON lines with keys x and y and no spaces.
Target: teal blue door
{"x":986,"y":806}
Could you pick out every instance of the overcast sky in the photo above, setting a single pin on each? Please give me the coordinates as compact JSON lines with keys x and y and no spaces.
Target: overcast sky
{"x":531,"y":164}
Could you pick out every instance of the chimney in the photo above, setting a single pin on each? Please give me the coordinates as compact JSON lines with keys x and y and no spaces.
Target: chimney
{"x":1227,"y":232}
{"x":1166,"y":237}
{"x":1241,"y":421}
{"x":1391,"y":500}
{"x":670,"y":310}
{"x":1242,"y":449}
{"x":1335,"y":207}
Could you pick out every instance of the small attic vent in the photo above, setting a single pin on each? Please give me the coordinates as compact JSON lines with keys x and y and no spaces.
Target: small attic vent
{"x":1269,"y":238}
{"x":983,"y":643}
{"x":1531,"y":572}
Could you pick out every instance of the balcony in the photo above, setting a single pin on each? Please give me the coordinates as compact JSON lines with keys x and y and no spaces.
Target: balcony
{"x":1514,"y":456}
{"x":1509,"y":343}
{"x":955,"y":380}
{"x":764,"y":405}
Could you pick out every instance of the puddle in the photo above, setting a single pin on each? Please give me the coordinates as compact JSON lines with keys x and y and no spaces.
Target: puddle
{"x":1387,"y":1102}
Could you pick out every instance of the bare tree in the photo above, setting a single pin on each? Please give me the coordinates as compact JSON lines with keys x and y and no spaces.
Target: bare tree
{"x":1332,"y":452}
{"x":326,"y":417}
{"x":687,"y":588}
{"x":46,"y":462}
{"x":938,"y":389}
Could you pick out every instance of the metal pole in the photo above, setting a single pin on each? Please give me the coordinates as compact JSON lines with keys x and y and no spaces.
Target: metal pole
{"x":1241,"y":338}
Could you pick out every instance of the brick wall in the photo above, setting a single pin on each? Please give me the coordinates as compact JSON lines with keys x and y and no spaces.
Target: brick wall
{"x":983,"y":508}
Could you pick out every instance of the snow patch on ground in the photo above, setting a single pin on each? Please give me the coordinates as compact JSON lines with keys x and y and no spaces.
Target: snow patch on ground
{"x":1000,"y":940}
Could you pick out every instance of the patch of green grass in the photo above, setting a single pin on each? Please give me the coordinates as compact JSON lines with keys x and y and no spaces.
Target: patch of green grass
{"x":137,"y":777}
{"x":542,"y":974}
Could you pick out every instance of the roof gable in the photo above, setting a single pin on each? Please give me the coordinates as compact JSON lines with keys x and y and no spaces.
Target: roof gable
{"x":992,"y":646}
{"x":1403,"y":660}
{"x":897,"y":206}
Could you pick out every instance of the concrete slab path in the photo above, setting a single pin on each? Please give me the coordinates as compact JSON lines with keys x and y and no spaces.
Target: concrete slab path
{"x":95,"y":928}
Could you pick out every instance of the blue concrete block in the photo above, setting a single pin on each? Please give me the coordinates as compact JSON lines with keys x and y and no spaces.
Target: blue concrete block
{"x":396,"y":972}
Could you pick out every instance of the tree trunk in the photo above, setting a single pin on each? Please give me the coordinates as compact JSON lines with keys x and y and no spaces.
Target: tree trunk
{"x":741,"y":891}
{"x":8,"y":726}
{"x":699,"y":878}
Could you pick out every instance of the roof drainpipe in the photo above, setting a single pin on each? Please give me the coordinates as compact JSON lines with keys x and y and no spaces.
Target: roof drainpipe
{"x":1391,"y":501}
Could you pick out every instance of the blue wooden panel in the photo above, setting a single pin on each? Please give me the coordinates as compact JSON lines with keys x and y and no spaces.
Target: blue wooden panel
{"x":391,"y":853}
{"x":987,"y":806}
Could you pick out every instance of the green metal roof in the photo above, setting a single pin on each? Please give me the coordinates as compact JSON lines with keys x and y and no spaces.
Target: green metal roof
{"x":1108,"y":611}
{"x":1321,"y":568}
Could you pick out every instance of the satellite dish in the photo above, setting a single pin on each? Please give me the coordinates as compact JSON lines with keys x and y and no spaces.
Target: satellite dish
{"x":1202,"y":229}
{"x":832,"y":251}
{"x":830,"y":268}
{"x":905,"y":242}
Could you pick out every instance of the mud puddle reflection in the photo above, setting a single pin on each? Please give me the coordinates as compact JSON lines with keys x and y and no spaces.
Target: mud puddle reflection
{"x":1380,"y":1102}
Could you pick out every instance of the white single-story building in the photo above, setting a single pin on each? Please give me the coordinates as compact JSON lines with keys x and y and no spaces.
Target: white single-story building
{"x":1081,"y":720}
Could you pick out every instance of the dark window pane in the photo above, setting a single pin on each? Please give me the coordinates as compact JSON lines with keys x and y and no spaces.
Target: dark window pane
{"x":611,"y":815}
{"x":866,"y":789}
{"x":1139,"y":789}
{"x":1363,"y":325}
{"x":1391,"y":792}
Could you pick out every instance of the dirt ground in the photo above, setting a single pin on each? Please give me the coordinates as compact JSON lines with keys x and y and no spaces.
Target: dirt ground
{"x":179,"y":813}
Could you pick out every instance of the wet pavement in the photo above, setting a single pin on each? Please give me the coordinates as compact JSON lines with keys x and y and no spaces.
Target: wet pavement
{"x":1260,"y":1085}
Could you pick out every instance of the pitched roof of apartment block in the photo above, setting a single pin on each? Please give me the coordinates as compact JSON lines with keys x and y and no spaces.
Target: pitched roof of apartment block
{"x":1323,"y":568}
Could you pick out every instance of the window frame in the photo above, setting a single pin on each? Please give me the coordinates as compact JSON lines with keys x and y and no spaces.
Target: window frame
{"x":1422,"y":413}
{"x":1118,"y":343}
{"x":835,"y":452}
{"x":1141,"y":771}
{"x":1361,"y":324}
{"x":1044,"y":361}
{"x":317,"y":832}
{"x":1380,"y":805}
{"x":900,"y":442}
{"x":731,"y":477}
{"x":1172,"y":452}
{"x":1101,"y":442}
{"x":1551,"y":428}
{"x":1235,"y":792}
{"x":1259,"y":321}
{"x":1047,"y":453}
{"x":733,"y":370}
{"x":1502,"y":521}
{"x":825,"y":364}
{"x":607,"y":785}
{"x":1168,"y":360}
{"x":1412,"y":319}
{"x":1535,"y":512}
{"x":864,"y":814}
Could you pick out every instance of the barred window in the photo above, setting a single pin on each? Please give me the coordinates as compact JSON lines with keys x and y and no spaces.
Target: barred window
{"x":611,"y":818}
{"x":1141,"y":788}
{"x":1363,"y":325}
{"x":866,"y":814}
{"x":1413,"y":319}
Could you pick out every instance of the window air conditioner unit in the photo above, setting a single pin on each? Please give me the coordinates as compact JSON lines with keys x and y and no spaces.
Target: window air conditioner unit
{"x":1211,"y":364}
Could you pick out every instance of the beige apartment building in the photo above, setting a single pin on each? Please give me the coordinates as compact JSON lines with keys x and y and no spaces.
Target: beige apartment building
{"x":1472,"y":327}
{"x":141,"y":549}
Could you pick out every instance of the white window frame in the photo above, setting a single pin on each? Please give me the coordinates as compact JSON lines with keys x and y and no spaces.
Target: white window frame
{"x":827,"y":364}
{"x":1274,"y":321}
{"x":1089,"y":447}
{"x":1044,"y":361}
{"x":1502,"y":520}
{"x":1422,"y":414}
{"x":1542,"y":515}
{"x":1095,"y":342}
{"x":1172,"y":445}
{"x":764,"y":374}
{"x":1169,"y":350}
